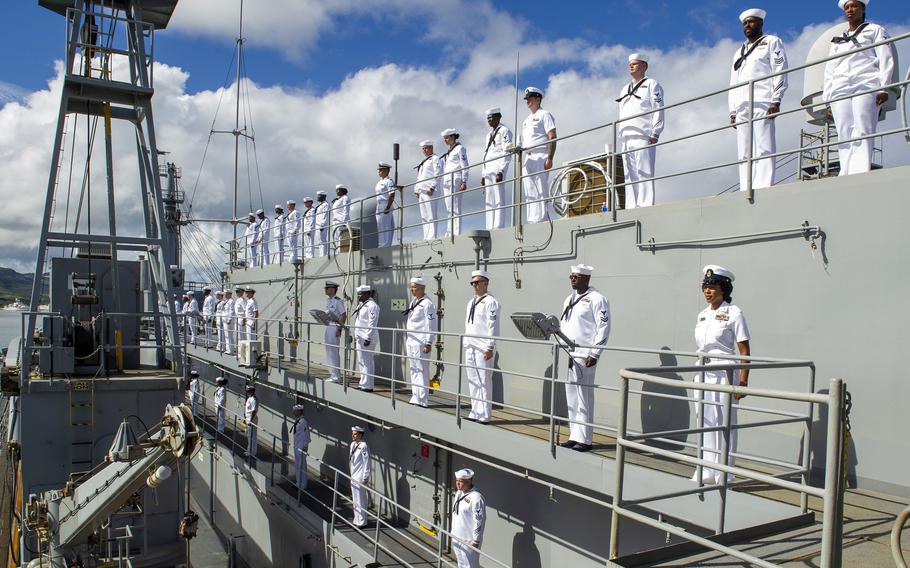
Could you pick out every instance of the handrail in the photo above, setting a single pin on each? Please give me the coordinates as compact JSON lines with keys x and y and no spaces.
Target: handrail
{"x":896,"y":531}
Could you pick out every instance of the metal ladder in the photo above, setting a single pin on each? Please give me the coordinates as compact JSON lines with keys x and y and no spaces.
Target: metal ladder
{"x":82,"y":425}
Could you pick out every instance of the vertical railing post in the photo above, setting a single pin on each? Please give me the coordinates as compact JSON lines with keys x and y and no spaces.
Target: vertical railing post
{"x":334,"y":503}
{"x":234,"y":435}
{"x":452,"y":208}
{"x":553,"y":376}
{"x":807,"y":445}
{"x":274,"y":446}
{"x":620,"y":465}
{"x":700,"y":421}
{"x":750,"y":190}
{"x":376,"y":532}
{"x":614,"y":198}
{"x":724,"y":457}
{"x":393,"y":371}
{"x":519,"y":194}
{"x":460,"y":374}
{"x":831,"y":536}
{"x":301,"y":455}
{"x":309,"y":342}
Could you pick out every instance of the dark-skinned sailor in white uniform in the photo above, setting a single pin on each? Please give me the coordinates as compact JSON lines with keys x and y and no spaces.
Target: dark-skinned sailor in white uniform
{"x":497,"y":159}
{"x":469,"y":518}
{"x":365,"y":319}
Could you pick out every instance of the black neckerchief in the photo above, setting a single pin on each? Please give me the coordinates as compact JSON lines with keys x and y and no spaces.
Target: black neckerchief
{"x":354,"y":447}
{"x":630,"y":90}
{"x":414,"y":304}
{"x":850,"y":37}
{"x":473,"y":307}
{"x":566,"y":312}
{"x":296,"y":422}
{"x":490,"y":141}
{"x":418,"y":166}
{"x":455,"y":145}
{"x":459,"y":500}
{"x":743,"y":54}
{"x":362,"y":304}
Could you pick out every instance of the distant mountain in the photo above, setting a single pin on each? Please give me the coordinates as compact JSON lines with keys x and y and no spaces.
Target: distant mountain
{"x":14,"y":285}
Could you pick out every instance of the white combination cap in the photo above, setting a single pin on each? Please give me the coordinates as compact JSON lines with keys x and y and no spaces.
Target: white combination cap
{"x":260,"y":212}
{"x":419,"y":280}
{"x":481,"y":273}
{"x":341,"y":186}
{"x":448,"y":132}
{"x":843,"y":3}
{"x":321,"y":193}
{"x":494,"y":110}
{"x":464,"y":474}
{"x":330,"y":283}
{"x":530,"y":91}
{"x":381,"y":165}
{"x":714,"y":271}
{"x":425,"y":143}
{"x":753,"y":13}
{"x":583,"y":269}
{"x":638,"y":57}
{"x":358,"y":429}
{"x":308,"y":199}
{"x":298,"y":407}
{"x":220,"y":380}
{"x":291,"y":202}
{"x":364,"y":288}
{"x":206,"y":288}
{"x":194,"y":373}
{"x":279,"y":206}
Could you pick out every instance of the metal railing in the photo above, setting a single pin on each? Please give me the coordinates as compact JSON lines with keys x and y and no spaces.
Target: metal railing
{"x":612,"y":155}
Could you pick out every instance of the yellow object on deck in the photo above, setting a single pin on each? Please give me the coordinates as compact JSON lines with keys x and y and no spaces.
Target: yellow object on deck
{"x":118,"y":353}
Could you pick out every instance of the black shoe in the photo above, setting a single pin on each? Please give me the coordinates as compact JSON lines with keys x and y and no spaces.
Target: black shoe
{"x":579,"y":447}
{"x":366,"y":390}
{"x":568,"y":444}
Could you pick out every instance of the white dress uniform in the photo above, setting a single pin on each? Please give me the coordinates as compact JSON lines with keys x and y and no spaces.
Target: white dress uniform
{"x":385,"y":222}
{"x":292,"y":235}
{"x":219,"y":305}
{"x":421,"y":327}
{"x":453,"y":161}
{"x":250,"y":308}
{"x":341,"y":215}
{"x":481,"y":318}
{"x":265,"y":241}
{"x":279,"y":234}
{"x":535,"y":183}
{"x":208,"y":316}
{"x":428,"y":172}
{"x":334,"y":306}
{"x":585,"y":319}
{"x":361,"y":468}
{"x":499,"y":140}
{"x":752,"y":61}
{"x":239,"y":320}
{"x":251,"y":415}
{"x":194,"y":393}
{"x":469,"y":517}
{"x":301,"y":432}
{"x":309,"y":228}
{"x":635,"y":134}
{"x":366,"y":318}
{"x":718,"y":331}
{"x":252,"y":243}
{"x":321,"y":229}
{"x":229,"y":340}
{"x":191,"y":311}
{"x":856,"y":72}
{"x":220,"y":396}
{"x":178,"y":309}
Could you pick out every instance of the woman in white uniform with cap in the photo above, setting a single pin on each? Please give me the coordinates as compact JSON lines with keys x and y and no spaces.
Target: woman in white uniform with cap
{"x":332,"y":337}
{"x":454,"y":179}
{"x":428,"y":172}
{"x":366,"y":318}
{"x":421,"y":332}
{"x":857,"y":72}
{"x":482,"y":319}
{"x":720,"y":329}
{"x":361,"y":468}
{"x":469,"y":517}
{"x":301,"y":431}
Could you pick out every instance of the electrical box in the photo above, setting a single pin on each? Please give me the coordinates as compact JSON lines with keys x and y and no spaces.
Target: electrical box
{"x":399,"y":305}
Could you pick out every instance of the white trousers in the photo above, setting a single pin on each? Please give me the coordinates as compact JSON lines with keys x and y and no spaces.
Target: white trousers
{"x":300,"y":467}
{"x":253,"y":256}
{"x":332,"y":353}
{"x":219,"y":418}
{"x":191,"y":329}
{"x":852,"y":118}
{"x":419,"y":365}
{"x":238,"y":332}
{"x":291,"y":247}
{"x":427,"y":205}
{"x":308,"y":249}
{"x":207,"y":325}
{"x":249,"y":331}
{"x":194,"y":405}
{"x":480,"y":383}
{"x":453,"y":206}
{"x":638,"y":165}
{"x":365,"y":363}
{"x":580,"y":400}
{"x":252,"y":440}
{"x":321,"y":242}
{"x":384,"y":228}
{"x":227,"y":332}
{"x":712,"y":442}
{"x":265,"y":257}
{"x":466,"y":556}
{"x":494,"y":199}
{"x":219,"y":345}
{"x":764,"y":142}
{"x":361,"y":498}
{"x":278,"y":256}
{"x":534,"y":187}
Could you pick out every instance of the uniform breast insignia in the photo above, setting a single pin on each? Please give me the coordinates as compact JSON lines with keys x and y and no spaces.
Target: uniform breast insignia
{"x":701,"y":318}
{"x":467,"y":500}
{"x":722,"y":317}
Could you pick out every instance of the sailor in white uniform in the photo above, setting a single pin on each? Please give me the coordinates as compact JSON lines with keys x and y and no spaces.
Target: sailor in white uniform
{"x":208,"y":314}
{"x":536,"y":129}
{"x":454,"y":179}
{"x":385,"y":199}
{"x":219,"y":305}
{"x":720,"y":329}
{"x":361,"y":468}
{"x":585,"y":320}
{"x":321,"y":226}
{"x":760,"y":55}
{"x":239,"y":316}
{"x":481,"y":318}
{"x":279,"y":234}
{"x":265,"y":238}
{"x":857,"y":72}
{"x":191,"y":312}
{"x":366,"y":318}
{"x":301,"y":432}
{"x":332,"y":338}
{"x":428,"y":172}
{"x":421,"y":327}
{"x":251,"y":236}
{"x":341,"y":213}
{"x":494,"y":171}
{"x":309,"y":228}
{"x":229,"y":339}
{"x":292,"y":232}
{"x":469,"y":517}
{"x":220,"y":399}
{"x":194,"y":391}
{"x":638,"y":135}
{"x":251,"y":416}
{"x":178,"y":307}
{"x":250,"y":315}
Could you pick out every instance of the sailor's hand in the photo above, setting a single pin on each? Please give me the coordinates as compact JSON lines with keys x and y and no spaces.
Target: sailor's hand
{"x":773,"y":108}
{"x":462,"y":187}
{"x":499,"y":177}
{"x":590,"y":362}
{"x":338,"y":332}
{"x":732,"y":119}
{"x":652,"y":140}
{"x":474,"y":543}
{"x":488,"y":354}
{"x":366,"y":342}
{"x":483,"y":181}
{"x":427,"y":348}
{"x":548,"y":163}
{"x":880,"y":99}
{"x":828,"y":114}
